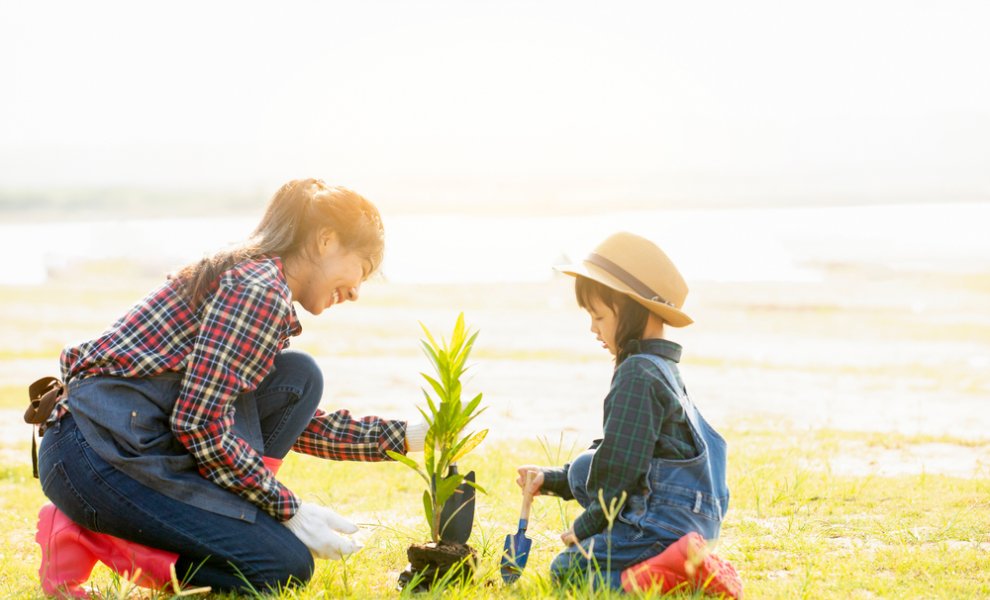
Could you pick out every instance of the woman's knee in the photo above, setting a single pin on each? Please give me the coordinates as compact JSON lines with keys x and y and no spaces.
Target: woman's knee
{"x":293,"y":569}
{"x":304,"y":371}
{"x":297,"y":571}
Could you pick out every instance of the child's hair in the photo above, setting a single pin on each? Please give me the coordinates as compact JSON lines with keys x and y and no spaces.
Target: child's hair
{"x":293,"y":220}
{"x":631,"y":316}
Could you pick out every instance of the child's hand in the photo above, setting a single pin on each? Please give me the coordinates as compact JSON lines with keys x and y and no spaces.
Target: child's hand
{"x":569,"y":538}
{"x":537,"y":481}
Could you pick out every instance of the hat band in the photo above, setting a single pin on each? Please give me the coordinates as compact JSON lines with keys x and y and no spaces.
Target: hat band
{"x":627,"y":278}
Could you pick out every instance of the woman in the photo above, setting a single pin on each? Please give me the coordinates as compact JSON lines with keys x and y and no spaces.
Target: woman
{"x":164,"y":450}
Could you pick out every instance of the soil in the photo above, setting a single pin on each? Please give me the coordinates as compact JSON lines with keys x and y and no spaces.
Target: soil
{"x":432,"y":562}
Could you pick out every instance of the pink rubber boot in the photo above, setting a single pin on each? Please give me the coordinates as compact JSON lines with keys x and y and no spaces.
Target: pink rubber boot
{"x":687,"y":563}
{"x":69,"y":553}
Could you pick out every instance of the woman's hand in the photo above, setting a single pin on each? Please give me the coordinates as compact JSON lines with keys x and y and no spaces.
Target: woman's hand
{"x":569,"y":538}
{"x":315,"y":525}
{"x":535,"y":483}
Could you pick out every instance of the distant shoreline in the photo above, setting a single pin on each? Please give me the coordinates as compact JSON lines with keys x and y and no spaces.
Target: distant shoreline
{"x":93,"y":204}
{"x":738,"y":244}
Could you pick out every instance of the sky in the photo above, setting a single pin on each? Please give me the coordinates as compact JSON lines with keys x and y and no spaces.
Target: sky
{"x":866,"y":100}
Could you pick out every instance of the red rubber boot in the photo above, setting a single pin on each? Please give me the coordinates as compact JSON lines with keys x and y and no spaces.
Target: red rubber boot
{"x":273,"y":464}
{"x":69,"y":553}
{"x":687,"y":563}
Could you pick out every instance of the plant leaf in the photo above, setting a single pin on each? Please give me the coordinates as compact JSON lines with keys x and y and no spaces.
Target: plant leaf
{"x":475,"y":486}
{"x":426,"y":417}
{"x":402,"y":458}
{"x":428,"y":509}
{"x":473,"y":404}
{"x":441,"y":393}
{"x":429,"y":450}
{"x":429,"y":402}
{"x":429,"y":335}
{"x":470,"y":444}
{"x":446,"y":488}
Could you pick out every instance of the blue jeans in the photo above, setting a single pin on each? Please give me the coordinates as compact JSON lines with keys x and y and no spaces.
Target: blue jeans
{"x":222,"y":552}
{"x":611,"y":551}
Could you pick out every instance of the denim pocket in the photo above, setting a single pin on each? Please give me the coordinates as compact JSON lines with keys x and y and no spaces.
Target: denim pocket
{"x":148,"y":429}
{"x":666,"y":529}
{"x":50,"y":443}
{"x":633,"y":511}
{"x":700,"y":503}
{"x":59,"y":489}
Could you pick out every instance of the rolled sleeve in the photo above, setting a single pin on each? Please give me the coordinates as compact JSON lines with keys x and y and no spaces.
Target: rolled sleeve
{"x":339,"y":436}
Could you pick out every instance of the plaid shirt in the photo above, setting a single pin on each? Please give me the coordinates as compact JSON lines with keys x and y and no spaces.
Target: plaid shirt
{"x":223,"y":350}
{"x":643,"y":419}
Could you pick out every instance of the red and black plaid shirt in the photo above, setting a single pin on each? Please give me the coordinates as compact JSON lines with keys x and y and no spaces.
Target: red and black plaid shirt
{"x":223,"y":350}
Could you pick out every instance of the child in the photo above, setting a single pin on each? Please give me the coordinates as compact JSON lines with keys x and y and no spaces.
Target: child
{"x":163,"y":453}
{"x":657,"y":449}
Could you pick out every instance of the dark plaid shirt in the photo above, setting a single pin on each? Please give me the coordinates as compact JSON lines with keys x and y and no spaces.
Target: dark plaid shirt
{"x":643,"y":419}
{"x":224,"y":350}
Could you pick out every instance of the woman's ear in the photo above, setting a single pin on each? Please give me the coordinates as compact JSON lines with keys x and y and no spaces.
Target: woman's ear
{"x":328,"y":241}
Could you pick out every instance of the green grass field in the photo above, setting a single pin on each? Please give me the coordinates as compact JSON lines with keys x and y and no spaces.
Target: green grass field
{"x":794,"y":529}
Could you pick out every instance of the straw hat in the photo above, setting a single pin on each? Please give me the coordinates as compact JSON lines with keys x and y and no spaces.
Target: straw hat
{"x":636,"y":267}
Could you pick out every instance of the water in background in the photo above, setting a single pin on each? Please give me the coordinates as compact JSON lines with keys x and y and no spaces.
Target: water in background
{"x":779,"y":244}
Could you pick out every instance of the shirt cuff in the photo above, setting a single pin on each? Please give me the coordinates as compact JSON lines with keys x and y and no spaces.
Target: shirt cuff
{"x":555,"y":482}
{"x":589,"y":522}
{"x":416,"y":436}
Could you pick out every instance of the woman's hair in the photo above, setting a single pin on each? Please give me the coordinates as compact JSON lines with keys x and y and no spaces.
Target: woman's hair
{"x":631,"y":316}
{"x":296,"y":215}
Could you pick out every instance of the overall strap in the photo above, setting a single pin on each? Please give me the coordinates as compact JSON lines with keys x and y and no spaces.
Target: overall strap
{"x":667,"y":372}
{"x":682,"y":396}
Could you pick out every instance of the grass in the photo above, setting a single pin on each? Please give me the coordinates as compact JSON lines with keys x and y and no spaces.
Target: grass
{"x":795,"y":529}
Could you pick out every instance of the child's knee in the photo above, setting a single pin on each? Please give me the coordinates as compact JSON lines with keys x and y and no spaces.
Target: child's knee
{"x":563,"y":566}
{"x":570,"y":568}
{"x":577,"y":477}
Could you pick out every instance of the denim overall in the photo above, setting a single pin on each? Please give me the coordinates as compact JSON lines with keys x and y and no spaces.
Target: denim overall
{"x":683,"y":496}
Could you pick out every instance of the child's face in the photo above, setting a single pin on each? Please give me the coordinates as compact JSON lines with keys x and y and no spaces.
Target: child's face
{"x":603,"y":324}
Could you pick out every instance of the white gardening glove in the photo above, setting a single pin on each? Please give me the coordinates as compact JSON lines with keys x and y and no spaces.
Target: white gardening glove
{"x":314,"y":525}
{"x":416,"y":435}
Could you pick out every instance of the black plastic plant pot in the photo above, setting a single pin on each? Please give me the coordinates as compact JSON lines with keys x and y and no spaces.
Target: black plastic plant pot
{"x":432,"y":564}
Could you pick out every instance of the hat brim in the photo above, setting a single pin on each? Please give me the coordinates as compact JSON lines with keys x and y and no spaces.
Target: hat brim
{"x":674,"y":317}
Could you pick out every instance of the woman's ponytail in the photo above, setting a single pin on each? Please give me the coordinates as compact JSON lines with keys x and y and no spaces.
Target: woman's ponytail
{"x":290,"y":226}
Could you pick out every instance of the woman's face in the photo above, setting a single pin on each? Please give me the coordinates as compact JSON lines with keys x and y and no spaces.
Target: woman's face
{"x":333,"y":276}
{"x":603,"y":323}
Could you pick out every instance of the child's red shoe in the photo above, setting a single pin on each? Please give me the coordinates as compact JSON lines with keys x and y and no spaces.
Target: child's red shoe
{"x":687,"y":563}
